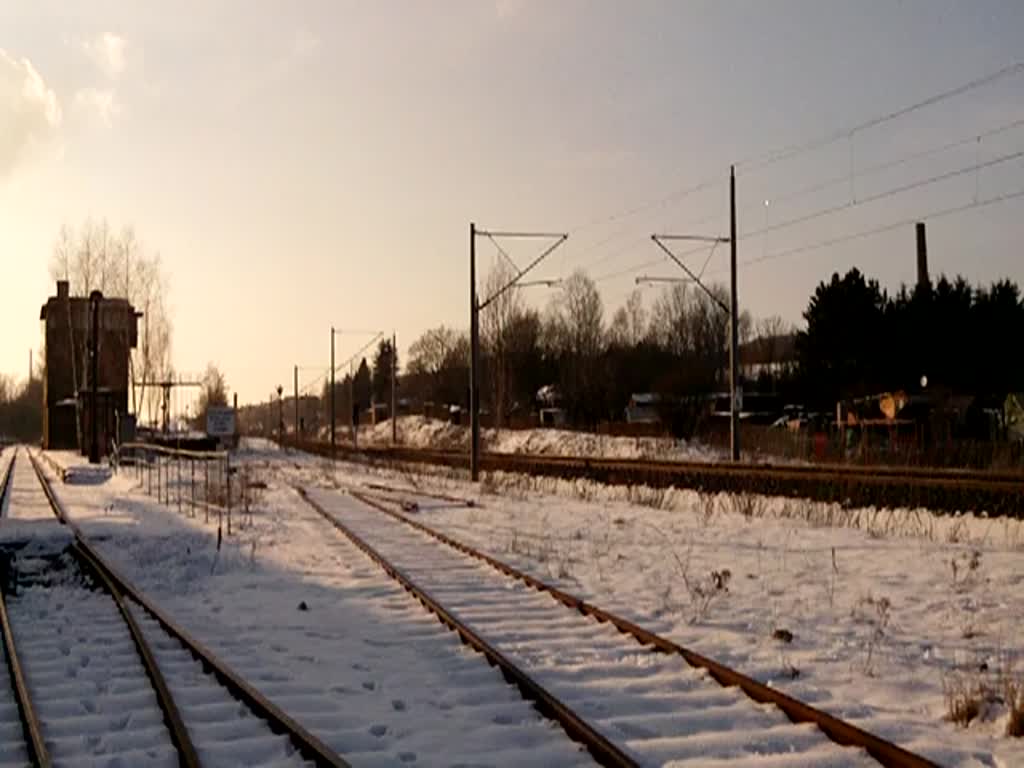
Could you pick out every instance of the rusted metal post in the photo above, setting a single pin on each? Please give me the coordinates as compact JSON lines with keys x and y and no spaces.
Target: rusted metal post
{"x":178,"y":464}
{"x":245,"y":495}
{"x":192,"y":464}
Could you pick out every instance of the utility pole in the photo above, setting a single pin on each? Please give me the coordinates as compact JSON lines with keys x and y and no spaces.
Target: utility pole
{"x":474,"y":359}
{"x":353,"y":408}
{"x":331,"y":396}
{"x":734,"y":352}
{"x":280,"y":415}
{"x":296,"y":395}
{"x":394,"y":387}
{"x":731,"y":309}
{"x":94,"y":349}
{"x":475,"y":307}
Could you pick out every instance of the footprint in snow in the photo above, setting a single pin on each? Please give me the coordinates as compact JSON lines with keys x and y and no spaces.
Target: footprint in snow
{"x":398,"y":705}
{"x":407,"y":757}
{"x":378,"y":730}
{"x":370,"y":685}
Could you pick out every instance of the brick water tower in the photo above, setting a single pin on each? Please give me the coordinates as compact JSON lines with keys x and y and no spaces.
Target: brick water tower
{"x":73,"y":402}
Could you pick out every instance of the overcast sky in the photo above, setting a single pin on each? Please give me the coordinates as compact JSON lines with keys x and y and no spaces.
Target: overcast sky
{"x":308,"y":163}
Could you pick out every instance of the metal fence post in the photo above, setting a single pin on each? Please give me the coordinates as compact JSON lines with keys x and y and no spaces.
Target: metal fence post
{"x":227,"y":470}
{"x":178,"y":465}
{"x":192,"y":464}
{"x":206,"y":489}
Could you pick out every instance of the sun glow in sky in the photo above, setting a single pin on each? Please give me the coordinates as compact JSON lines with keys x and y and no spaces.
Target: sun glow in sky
{"x":299,"y":165}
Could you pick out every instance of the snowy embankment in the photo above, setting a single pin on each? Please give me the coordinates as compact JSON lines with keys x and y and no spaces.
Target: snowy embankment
{"x":888,"y":618}
{"x":421,"y":432}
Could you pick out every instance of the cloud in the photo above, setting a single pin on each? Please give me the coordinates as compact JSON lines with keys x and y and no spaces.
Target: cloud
{"x":99,"y":102}
{"x":107,"y":52}
{"x":29,"y":111}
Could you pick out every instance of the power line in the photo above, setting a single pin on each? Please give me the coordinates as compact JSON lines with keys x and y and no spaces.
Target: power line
{"x":793,"y":150}
{"x":894,"y":163}
{"x":651,"y":204}
{"x":886,"y":227}
{"x":882,"y":195}
{"x":645,"y":264}
{"x":769,"y":158}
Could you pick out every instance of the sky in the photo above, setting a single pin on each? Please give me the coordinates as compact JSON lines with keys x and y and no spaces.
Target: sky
{"x":309,"y":164}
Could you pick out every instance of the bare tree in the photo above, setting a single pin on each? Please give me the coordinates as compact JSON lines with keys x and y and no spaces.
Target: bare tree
{"x":214,"y":393}
{"x":670,"y":320}
{"x":92,"y":258}
{"x":574,"y":332}
{"x":496,"y":323}
{"x":693,"y":327}
{"x":770,"y":334}
{"x":440,"y":358}
{"x":428,"y":354}
{"x":629,"y":323}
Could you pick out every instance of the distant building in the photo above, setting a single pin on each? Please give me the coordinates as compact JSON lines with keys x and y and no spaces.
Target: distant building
{"x":768,"y":355}
{"x":643,"y":408}
{"x":67,"y":328}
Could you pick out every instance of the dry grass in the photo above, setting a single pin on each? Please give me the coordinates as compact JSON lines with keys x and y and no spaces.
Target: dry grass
{"x":1013,"y":698}
{"x":965,"y":697}
{"x":749,"y":505}
{"x":976,"y":693}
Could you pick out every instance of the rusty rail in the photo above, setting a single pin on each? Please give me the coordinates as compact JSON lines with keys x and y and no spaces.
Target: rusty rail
{"x":998,"y":494}
{"x":839,"y":731}
{"x":578,"y":729}
{"x":5,"y":484}
{"x":308,"y":745}
{"x":34,"y":743}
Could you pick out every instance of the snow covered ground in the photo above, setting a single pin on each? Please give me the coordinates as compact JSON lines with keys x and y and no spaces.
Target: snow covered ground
{"x":888,"y":610}
{"x":314,"y":625}
{"x":871,"y":615}
{"x":421,"y":432}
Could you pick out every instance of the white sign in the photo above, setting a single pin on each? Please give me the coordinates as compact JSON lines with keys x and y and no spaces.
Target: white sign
{"x":220,"y":421}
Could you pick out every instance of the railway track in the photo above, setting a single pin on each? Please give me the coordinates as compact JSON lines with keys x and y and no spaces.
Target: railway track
{"x":100,"y":675}
{"x":947,"y":490}
{"x":629,"y":696}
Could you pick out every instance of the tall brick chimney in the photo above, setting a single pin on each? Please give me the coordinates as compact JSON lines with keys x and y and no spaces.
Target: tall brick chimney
{"x":922,"y":257}
{"x":62,"y":289}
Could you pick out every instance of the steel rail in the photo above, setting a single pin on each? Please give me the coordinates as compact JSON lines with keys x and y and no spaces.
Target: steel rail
{"x":839,"y":731}
{"x":187,"y":755}
{"x":308,"y":745}
{"x":603,"y":751}
{"x":942,"y":490}
{"x":38,"y":755}
{"x":5,"y":484}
